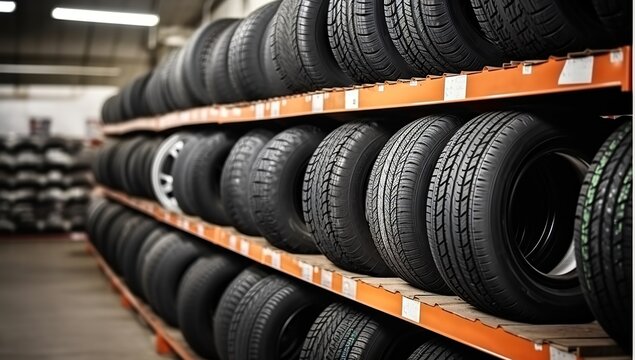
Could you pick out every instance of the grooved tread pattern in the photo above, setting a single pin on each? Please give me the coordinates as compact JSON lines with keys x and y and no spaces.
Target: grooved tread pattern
{"x":361,"y":44}
{"x":235,"y":179}
{"x":276,"y":184}
{"x":604,"y":236}
{"x":219,"y":87}
{"x":333,"y":196}
{"x":396,"y":198}
{"x":322,"y":331}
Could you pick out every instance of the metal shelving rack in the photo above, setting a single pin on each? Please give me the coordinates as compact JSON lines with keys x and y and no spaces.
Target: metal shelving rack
{"x":577,"y":76}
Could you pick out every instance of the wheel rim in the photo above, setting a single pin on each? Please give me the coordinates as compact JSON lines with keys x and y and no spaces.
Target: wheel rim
{"x":541,"y":213}
{"x":162,"y":180}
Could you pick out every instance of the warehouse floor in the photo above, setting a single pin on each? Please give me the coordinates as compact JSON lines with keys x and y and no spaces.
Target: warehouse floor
{"x":55,"y":304}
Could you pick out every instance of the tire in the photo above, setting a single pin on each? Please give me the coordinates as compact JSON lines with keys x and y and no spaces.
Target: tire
{"x":272,"y":320}
{"x":275,"y":189}
{"x":235,"y":179}
{"x":155,"y":236}
{"x":439,"y":36}
{"x":181,"y":180}
{"x":616,"y":17}
{"x":302,"y":54}
{"x":178,"y":89}
{"x":397,"y":195}
{"x":333,"y":196}
{"x":94,"y":212}
{"x":276,"y":87}
{"x":198,"y":296}
{"x":117,"y":234}
{"x":162,"y":166}
{"x":128,"y":252}
{"x":509,"y":165}
{"x":528,"y":29}
{"x":166,"y":263}
{"x":104,"y":226}
{"x":246,"y":70}
{"x":196,"y":57}
{"x":137,"y":175}
{"x":343,"y":332}
{"x":360,"y":42}
{"x":121,"y":159}
{"x":603,"y":235}
{"x":442,"y":348}
{"x":199,"y":181}
{"x":228,"y":303}
{"x":219,"y":88}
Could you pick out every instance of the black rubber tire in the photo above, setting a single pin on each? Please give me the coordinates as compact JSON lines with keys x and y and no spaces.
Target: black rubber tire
{"x":137,"y":99}
{"x":272,"y":320}
{"x":344,"y":332}
{"x":442,"y":348}
{"x":196,"y":56}
{"x":146,"y":167}
{"x":275,"y":189}
{"x":199,"y":293}
{"x":439,"y":36}
{"x":525,"y":171}
{"x":150,"y":263}
{"x":155,"y":236}
{"x":165,"y":75}
{"x":136,"y":168}
{"x":529,"y":29}
{"x":397,"y":195}
{"x":228,"y":302}
{"x":219,"y":87}
{"x":128,"y":251}
{"x":103,"y":226}
{"x":275,"y":85}
{"x":202,"y":176}
{"x":301,"y":51}
{"x":94,"y":213}
{"x":179,"y":90}
{"x":166,"y":263}
{"x":235,"y":179}
{"x":123,"y":159}
{"x":119,"y":234}
{"x":334,"y":192}
{"x":359,"y":38}
{"x":604,"y":236}
{"x":244,"y":61}
{"x":181,"y":181}
{"x":616,"y":17}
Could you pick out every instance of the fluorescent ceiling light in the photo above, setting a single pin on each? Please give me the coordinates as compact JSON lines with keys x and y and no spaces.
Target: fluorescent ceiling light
{"x":7,"y":6}
{"x":105,"y":17}
{"x":59,"y":70}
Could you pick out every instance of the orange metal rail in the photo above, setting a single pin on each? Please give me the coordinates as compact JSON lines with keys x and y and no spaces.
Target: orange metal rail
{"x":445,"y":315}
{"x":577,"y":72}
{"x":168,"y":341}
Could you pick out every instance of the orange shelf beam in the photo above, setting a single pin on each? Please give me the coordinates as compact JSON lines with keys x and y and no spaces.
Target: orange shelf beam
{"x":168,"y":341}
{"x":590,"y":70}
{"x":445,"y":315}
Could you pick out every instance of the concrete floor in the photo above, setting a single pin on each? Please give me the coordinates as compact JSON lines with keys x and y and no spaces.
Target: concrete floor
{"x":55,"y":304}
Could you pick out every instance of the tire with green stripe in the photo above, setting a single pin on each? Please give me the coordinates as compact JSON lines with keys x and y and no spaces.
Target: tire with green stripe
{"x":603,"y":236}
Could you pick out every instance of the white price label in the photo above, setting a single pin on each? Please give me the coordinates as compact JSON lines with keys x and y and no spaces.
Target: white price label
{"x":349,"y":288}
{"x":244,"y":247}
{"x":380,"y":88}
{"x":307,"y":271}
{"x":326,"y":279}
{"x":616,"y":56}
{"x":555,"y":354}
{"x":410,"y":309}
{"x":317,"y":102}
{"x":577,"y":71}
{"x":236,"y":111}
{"x":184,"y":116}
{"x":185,"y":224}
{"x":351,"y":99}
{"x":233,"y":242}
{"x":413,"y":82}
{"x":260,"y":110}
{"x":527,"y":69}
{"x":455,"y":87}
{"x":200,"y":229}
{"x":224,"y":112}
{"x":275,"y":260}
{"x":275,"y":108}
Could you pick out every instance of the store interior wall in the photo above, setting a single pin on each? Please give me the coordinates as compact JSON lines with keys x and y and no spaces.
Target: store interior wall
{"x":73,"y":110}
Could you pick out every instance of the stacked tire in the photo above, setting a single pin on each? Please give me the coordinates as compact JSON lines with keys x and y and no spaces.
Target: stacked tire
{"x":44,"y":184}
{"x":293,"y":46}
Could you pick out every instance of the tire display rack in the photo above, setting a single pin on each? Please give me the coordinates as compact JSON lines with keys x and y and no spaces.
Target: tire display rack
{"x":168,"y":340}
{"x":605,"y":70}
{"x":446,"y":315}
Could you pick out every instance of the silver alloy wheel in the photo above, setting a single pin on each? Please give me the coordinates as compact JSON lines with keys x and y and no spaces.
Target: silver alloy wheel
{"x":162,"y":180}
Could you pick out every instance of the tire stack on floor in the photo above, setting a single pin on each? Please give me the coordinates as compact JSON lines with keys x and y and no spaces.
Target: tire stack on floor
{"x":303,"y":190}
{"x":228,"y":308}
{"x":292,"y":46}
{"x":44,"y":184}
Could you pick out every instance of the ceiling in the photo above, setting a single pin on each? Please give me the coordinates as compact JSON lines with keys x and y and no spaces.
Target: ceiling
{"x":31,"y":36}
